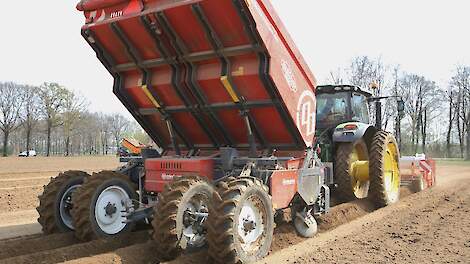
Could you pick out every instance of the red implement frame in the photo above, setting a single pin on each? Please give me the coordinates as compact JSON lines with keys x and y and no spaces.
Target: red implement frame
{"x":425,"y":169}
{"x":194,"y":73}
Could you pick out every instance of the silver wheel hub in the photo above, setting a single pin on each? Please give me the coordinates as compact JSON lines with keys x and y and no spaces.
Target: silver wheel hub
{"x":66,"y":205}
{"x":195,"y":215}
{"x":250,"y":225}
{"x":110,"y":210}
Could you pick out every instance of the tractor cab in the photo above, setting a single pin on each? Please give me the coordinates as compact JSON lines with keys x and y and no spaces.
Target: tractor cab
{"x":337,"y":104}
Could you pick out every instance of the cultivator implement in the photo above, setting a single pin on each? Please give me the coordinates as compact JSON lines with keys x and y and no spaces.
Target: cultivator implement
{"x":418,"y":172}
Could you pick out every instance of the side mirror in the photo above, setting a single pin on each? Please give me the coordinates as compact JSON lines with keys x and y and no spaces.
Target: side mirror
{"x":401,"y":107}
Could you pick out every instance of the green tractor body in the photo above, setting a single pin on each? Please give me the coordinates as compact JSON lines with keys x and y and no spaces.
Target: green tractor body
{"x":362,"y":157}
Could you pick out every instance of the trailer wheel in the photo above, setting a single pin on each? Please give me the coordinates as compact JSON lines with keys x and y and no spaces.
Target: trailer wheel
{"x":180,"y":216}
{"x":418,"y":185}
{"x":384,"y":170}
{"x":55,"y":202}
{"x":351,"y":171}
{"x":101,"y":204}
{"x":304,"y":222}
{"x":241,"y":223}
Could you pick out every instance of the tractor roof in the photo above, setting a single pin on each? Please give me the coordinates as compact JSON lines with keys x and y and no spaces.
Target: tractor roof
{"x":341,"y":88}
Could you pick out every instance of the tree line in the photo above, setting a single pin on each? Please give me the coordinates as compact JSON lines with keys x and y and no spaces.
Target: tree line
{"x":54,"y":120}
{"x":437,"y":117}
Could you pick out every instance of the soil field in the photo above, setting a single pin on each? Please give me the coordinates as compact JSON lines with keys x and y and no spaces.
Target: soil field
{"x":432,"y":226}
{"x":22,"y":179}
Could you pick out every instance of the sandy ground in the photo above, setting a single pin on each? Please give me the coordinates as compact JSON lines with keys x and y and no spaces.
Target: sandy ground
{"x":432,"y":226}
{"x":428,"y":227}
{"x":22,"y":179}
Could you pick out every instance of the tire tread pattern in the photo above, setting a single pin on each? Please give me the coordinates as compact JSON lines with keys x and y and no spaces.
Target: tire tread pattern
{"x":221,"y":236}
{"x":344,"y":190}
{"x":164,"y":222}
{"x":47,"y":201}
{"x":377,"y":191}
{"x":81,"y":211}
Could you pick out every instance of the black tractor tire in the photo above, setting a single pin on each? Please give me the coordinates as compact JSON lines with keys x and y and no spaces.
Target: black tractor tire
{"x":344,"y":191}
{"x":225,"y":244}
{"x":85,"y":198}
{"x":378,"y":150}
{"x":50,"y":200}
{"x":168,"y":220}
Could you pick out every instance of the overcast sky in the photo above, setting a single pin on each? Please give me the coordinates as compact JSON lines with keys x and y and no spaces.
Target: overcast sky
{"x":40,"y":40}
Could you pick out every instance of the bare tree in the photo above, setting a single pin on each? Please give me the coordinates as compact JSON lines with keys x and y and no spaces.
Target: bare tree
{"x":450,"y":96}
{"x":364,"y":71}
{"x":461,"y":80}
{"x":118,"y":125}
{"x":420,"y":97}
{"x":73,"y":107}
{"x":11,"y":101}
{"x":52,"y":97}
{"x":30,"y":113}
{"x":336,"y":77}
{"x":104,"y":132}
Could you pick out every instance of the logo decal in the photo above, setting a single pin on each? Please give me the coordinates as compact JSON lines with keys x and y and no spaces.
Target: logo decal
{"x":286,"y":182}
{"x":169,"y":177}
{"x":265,"y":20}
{"x":116,"y":14}
{"x":306,"y":109}
{"x":288,"y":75}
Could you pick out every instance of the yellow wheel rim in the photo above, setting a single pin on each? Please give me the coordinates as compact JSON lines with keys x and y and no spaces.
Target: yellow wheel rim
{"x":391,"y":172}
{"x":359,"y":171}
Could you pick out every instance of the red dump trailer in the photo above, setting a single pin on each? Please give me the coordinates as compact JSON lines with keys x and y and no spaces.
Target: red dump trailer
{"x":195,"y":65}
{"x":221,"y":88}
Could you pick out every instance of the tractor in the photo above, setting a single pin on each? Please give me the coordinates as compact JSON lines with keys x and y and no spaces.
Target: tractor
{"x":363,"y":158}
{"x":223,"y":91}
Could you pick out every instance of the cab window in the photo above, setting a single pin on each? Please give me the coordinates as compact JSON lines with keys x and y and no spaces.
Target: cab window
{"x":331,"y":109}
{"x":359,"y":108}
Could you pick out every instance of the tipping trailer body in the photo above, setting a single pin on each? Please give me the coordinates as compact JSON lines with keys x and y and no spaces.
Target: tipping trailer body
{"x":221,"y":88}
{"x":199,"y":70}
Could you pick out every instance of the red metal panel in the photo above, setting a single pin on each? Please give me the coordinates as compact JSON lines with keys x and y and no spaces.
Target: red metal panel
{"x":163,"y":170}
{"x":292,"y":81}
{"x":87,"y":5}
{"x":283,"y":187}
{"x":186,"y":36}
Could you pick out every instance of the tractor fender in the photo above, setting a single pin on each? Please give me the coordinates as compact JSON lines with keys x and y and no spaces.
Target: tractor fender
{"x":352,"y":132}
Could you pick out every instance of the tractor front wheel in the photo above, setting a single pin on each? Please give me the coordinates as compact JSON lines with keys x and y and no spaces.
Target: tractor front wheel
{"x":241,"y":224}
{"x":351,"y":171}
{"x":384,"y":170}
{"x":101,"y":204}
{"x":55,"y":203}
{"x":180,"y":217}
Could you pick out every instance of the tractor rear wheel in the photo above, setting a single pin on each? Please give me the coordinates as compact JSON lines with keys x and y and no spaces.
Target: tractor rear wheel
{"x":101,"y":204}
{"x":351,"y":171}
{"x":384,"y":170}
{"x":241,"y":224}
{"x":180,"y":216}
{"x":55,"y":202}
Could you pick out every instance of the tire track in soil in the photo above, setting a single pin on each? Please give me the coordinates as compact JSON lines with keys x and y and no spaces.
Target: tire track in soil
{"x":31,"y":244}
{"x":76,"y":251}
{"x":63,"y":247}
{"x":23,"y":183}
{"x":284,"y":236}
{"x":412,"y":231}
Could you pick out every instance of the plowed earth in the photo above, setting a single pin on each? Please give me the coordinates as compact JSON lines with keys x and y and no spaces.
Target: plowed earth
{"x":432,"y":226}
